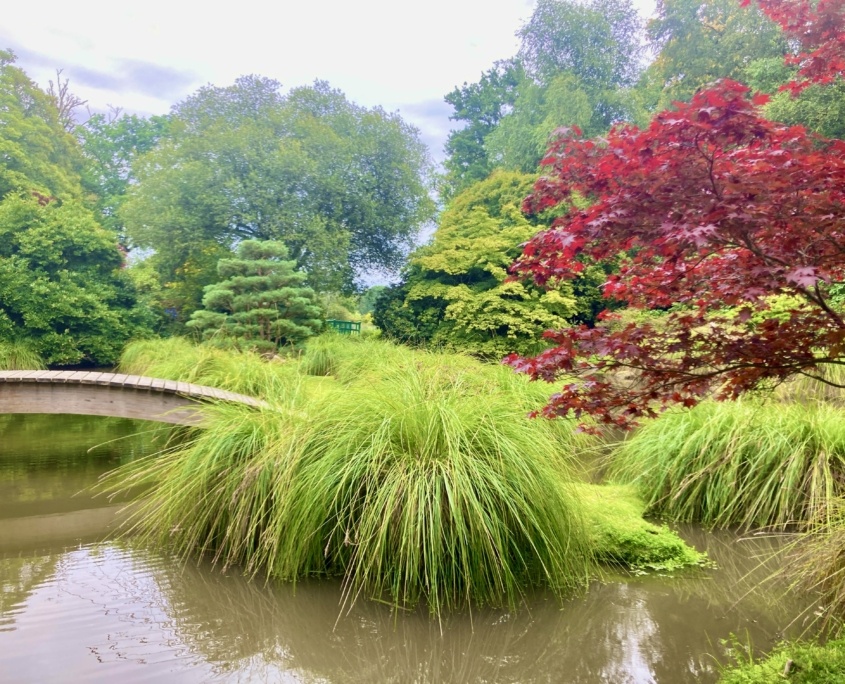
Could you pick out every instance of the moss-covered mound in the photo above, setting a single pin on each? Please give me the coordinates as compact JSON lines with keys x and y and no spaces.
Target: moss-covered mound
{"x":799,"y":663}
{"x":619,"y":535}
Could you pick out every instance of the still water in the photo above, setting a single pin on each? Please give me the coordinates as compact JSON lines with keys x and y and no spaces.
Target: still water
{"x":78,"y":606}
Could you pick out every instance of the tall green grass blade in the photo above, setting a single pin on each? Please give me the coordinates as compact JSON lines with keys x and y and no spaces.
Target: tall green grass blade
{"x":19,"y":356}
{"x":747,"y":463}
{"x":421,"y":481}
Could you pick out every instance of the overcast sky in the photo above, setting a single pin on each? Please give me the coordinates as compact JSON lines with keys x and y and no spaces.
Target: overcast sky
{"x":146,"y":56}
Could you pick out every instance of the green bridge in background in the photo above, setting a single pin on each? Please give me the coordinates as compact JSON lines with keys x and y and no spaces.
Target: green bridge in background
{"x":345,"y":327}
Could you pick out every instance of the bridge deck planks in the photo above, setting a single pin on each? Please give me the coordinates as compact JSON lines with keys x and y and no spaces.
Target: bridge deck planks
{"x":52,"y":376}
{"x":130,"y":381}
{"x":28,"y":376}
{"x":121,"y":380}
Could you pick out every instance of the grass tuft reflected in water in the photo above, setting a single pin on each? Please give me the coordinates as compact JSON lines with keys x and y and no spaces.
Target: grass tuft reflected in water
{"x":71,"y":610}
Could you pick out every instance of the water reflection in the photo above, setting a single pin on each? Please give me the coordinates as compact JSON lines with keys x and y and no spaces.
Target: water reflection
{"x":47,"y":460}
{"x":74,"y":611}
{"x":19,"y":577}
{"x":643,"y":631}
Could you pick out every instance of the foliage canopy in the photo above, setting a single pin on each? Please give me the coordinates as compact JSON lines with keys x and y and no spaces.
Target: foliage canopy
{"x":714,"y":207}
{"x":456,"y":293}
{"x":63,"y":293}
{"x":37,"y":153}
{"x":62,"y":288}
{"x":344,"y":187}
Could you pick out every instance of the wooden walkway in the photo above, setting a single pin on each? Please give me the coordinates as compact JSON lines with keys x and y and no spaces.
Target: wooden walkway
{"x":109,"y":394}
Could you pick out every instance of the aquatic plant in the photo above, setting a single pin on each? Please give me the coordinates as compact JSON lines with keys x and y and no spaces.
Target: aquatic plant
{"x":807,"y":389}
{"x":747,"y":463}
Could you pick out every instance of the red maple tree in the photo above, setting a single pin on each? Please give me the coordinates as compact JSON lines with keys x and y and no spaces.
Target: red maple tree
{"x":711,"y":210}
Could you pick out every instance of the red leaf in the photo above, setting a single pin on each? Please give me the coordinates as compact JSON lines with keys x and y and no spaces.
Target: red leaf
{"x":713,"y":216}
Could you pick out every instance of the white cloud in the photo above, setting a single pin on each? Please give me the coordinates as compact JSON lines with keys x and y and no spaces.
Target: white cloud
{"x":378,"y":52}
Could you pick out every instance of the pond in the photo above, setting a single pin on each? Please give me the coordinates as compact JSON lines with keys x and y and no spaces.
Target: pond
{"x":78,"y":605}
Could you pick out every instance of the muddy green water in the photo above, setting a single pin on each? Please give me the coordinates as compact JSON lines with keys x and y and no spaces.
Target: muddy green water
{"x":77,"y":606}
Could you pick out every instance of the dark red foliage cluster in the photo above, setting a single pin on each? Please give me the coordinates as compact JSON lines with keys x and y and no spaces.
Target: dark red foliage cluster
{"x":818,"y":26}
{"x":709,"y":211}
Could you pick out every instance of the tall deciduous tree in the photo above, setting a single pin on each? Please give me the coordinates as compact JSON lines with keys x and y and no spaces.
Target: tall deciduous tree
{"x":716,"y":209}
{"x":344,"y":187}
{"x":819,"y":107}
{"x":818,"y":26}
{"x":261,"y":302}
{"x":520,"y":140}
{"x":36,"y":153}
{"x":575,"y":61}
{"x":480,"y":106}
{"x":698,"y":42}
{"x":63,"y":289}
{"x":110,"y":145}
{"x":598,"y":41}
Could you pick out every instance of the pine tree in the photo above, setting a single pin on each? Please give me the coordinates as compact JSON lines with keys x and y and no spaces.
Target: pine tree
{"x":261,"y":302}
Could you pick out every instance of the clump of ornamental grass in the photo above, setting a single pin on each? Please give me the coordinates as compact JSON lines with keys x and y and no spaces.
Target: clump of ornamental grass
{"x":806,"y":389}
{"x":415,"y":488}
{"x":815,"y":563}
{"x":423,"y":489}
{"x":19,"y":356}
{"x":221,"y":490}
{"x":320,"y":356}
{"x":179,"y":359}
{"x":352,"y":357}
{"x":747,"y":463}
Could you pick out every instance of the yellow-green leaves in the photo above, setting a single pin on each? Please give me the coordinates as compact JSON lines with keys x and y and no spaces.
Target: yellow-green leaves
{"x":461,"y":277}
